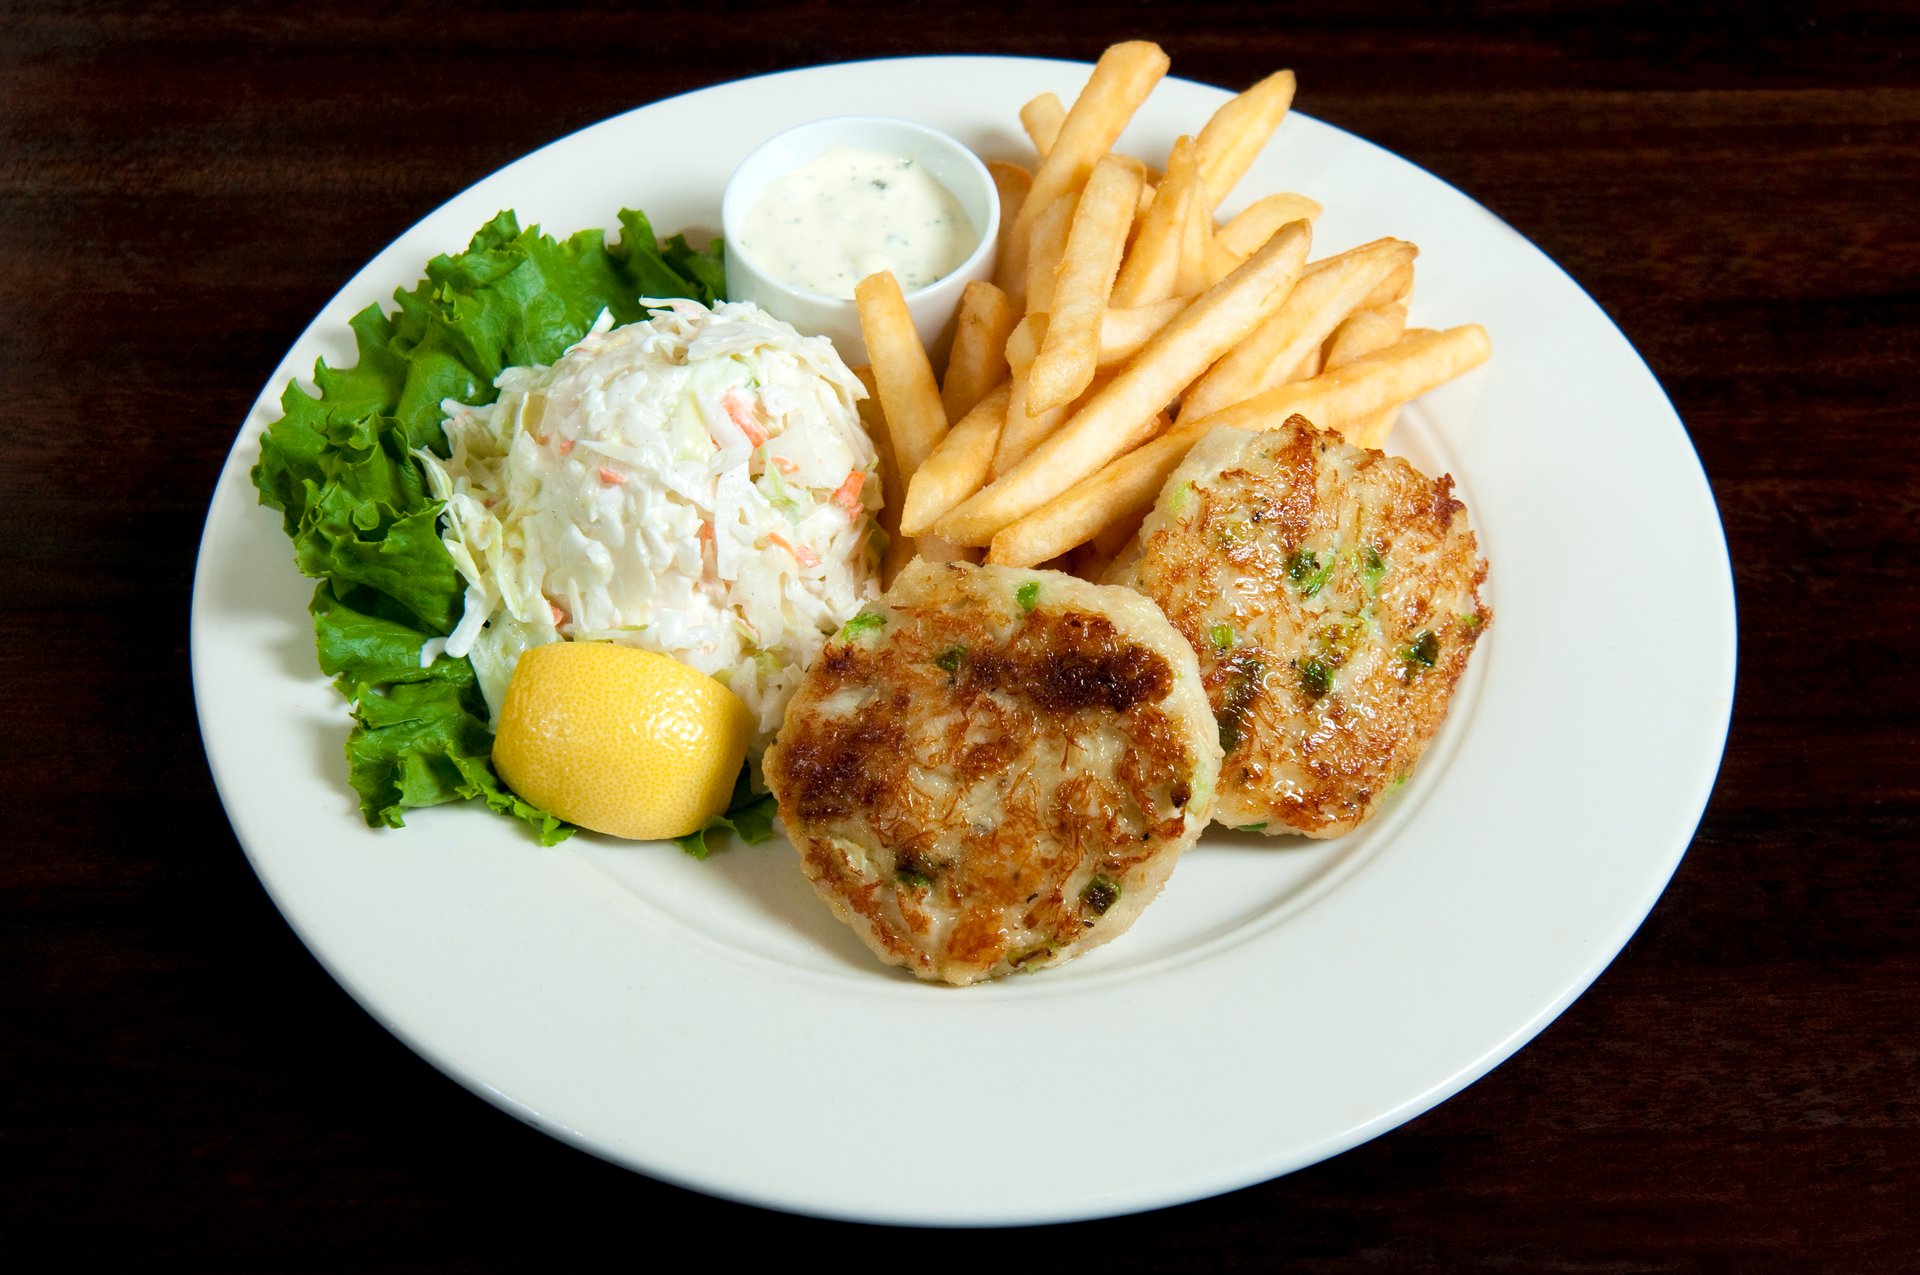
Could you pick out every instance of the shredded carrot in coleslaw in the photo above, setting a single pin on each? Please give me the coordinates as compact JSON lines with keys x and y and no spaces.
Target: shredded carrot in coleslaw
{"x":801,"y":554}
{"x":848,"y":494}
{"x":742,"y":415}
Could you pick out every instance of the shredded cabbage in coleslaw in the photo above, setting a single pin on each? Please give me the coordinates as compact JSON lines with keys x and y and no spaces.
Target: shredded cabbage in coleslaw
{"x":697,"y":484}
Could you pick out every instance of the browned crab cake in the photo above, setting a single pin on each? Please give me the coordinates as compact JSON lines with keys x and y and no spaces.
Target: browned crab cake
{"x":1332,"y":595}
{"x":995,"y":769}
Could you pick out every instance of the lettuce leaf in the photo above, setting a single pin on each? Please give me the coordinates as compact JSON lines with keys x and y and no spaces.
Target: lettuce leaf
{"x":748,"y":817}
{"x":338,"y":467}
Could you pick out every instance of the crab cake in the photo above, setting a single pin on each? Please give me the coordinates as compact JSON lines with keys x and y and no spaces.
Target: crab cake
{"x":995,"y":769}
{"x":1332,"y":595}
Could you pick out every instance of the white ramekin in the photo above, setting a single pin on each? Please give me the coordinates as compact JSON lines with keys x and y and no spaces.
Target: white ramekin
{"x":953,"y":165}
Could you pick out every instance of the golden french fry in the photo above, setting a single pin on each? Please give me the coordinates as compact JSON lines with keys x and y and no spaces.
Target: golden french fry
{"x":1011,"y":182}
{"x":1121,"y":491}
{"x":979,"y":357}
{"x":1147,"y":191}
{"x":908,"y":395}
{"x":1237,"y":131}
{"x":1152,"y":263}
{"x":1123,"y":332}
{"x":1023,"y":343}
{"x":1194,"y":274}
{"x":1046,"y":245}
{"x":958,"y":466}
{"x":1397,"y":286}
{"x":1042,"y":118}
{"x":1328,"y":291}
{"x":1121,"y":415}
{"x":1339,"y":397}
{"x":1221,"y":259}
{"x":1022,"y":432}
{"x":1120,"y":82}
{"x":1088,"y":265}
{"x":899,"y":550}
{"x":1374,"y":430}
{"x":1364,"y":332}
{"x":934,"y":549}
{"x":1255,"y":224}
{"x":1309,"y":365}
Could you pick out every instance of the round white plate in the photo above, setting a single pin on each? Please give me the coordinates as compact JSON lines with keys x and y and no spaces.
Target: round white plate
{"x":710,"y":1024}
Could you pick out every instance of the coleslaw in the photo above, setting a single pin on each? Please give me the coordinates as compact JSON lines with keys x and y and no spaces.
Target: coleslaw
{"x":697,"y":484}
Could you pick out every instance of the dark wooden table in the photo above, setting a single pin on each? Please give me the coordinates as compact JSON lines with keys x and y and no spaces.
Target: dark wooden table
{"x":182,"y":188}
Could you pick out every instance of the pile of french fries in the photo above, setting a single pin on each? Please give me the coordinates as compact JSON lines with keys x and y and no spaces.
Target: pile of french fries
{"x":1125,"y":320}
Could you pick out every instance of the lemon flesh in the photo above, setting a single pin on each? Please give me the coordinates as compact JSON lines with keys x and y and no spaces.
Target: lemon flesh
{"x":623,"y":741}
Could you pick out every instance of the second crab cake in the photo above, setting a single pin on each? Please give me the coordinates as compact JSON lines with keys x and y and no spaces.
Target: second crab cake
{"x":994,"y":769}
{"x":1332,"y":594}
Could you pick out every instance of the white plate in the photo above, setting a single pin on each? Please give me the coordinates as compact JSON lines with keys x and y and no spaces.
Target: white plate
{"x":710,"y":1024}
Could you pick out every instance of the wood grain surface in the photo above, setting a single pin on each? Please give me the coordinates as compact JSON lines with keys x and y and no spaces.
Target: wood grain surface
{"x":182,"y":188}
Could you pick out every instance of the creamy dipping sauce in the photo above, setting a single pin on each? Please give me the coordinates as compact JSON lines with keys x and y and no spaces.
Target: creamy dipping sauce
{"x":830,"y":223}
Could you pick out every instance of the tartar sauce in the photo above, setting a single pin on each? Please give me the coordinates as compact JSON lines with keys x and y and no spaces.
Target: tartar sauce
{"x":851,"y":212}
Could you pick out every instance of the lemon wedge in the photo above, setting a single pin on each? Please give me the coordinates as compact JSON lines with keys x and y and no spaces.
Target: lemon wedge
{"x":623,"y":741}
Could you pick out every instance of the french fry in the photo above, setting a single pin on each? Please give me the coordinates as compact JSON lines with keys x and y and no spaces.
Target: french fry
{"x":1364,"y":332}
{"x":1374,"y":430}
{"x":1046,"y":244}
{"x":1152,"y":264}
{"x":1011,"y":182}
{"x":1194,"y":274}
{"x":1120,"y":82}
{"x":1122,"y":414}
{"x":958,"y":466}
{"x":1023,"y":343}
{"x":899,"y":550}
{"x":1309,"y":365}
{"x":1255,"y":224}
{"x":1237,"y":131}
{"x":1088,"y":265}
{"x":934,"y":549}
{"x":1123,"y":332}
{"x":1023,"y":432}
{"x":1119,"y":493}
{"x":1328,"y":291}
{"x":909,"y":398}
{"x":1397,"y":286}
{"x":1221,"y":259}
{"x":1042,"y":118}
{"x":979,"y":357}
{"x":1339,"y":397}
